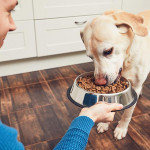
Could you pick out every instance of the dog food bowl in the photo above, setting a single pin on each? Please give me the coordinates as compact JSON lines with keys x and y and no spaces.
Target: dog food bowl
{"x":83,"y":98}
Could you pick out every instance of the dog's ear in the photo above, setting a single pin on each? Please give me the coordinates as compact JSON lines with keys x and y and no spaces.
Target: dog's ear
{"x":123,"y":28}
{"x":124,"y":19}
{"x":110,"y":12}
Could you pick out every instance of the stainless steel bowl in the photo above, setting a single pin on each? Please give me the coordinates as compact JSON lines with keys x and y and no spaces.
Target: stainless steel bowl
{"x":84,"y":98}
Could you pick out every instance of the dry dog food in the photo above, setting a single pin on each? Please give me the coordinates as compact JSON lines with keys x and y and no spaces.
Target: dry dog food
{"x":88,"y":84}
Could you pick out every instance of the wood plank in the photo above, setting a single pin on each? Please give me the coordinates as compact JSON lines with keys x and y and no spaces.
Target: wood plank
{"x":3,"y":103}
{"x":67,"y":71}
{"x":37,"y":125}
{"x":59,"y":88}
{"x":38,"y":146}
{"x":5,"y":119}
{"x":142,"y":107}
{"x":53,"y":143}
{"x":85,"y":67}
{"x":22,"y":79}
{"x":28,"y":96}
{"x":147,"y":79}
{"x":42,"y":117}
{"x":107,"y":141}
{"x":140,"y":131}
{"x":51,"y":74}
{"x":47,"y":145}
{"x":145,"y":91}
{"x":1,"y":83}
{"x":43,"y":123}
{"x":30,"y":132}
{"x":61,"y":72}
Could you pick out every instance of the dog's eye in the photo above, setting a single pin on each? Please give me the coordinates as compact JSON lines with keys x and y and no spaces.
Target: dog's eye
{"x":108,"y":52}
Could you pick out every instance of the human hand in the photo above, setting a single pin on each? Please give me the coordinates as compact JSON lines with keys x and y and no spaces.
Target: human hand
{"x":101,"y":111}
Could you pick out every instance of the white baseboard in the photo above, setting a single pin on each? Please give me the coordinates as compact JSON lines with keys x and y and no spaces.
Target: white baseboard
{"x":34,"y":64}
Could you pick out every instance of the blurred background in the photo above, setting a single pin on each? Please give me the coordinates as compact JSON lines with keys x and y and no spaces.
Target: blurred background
{"x":48,"y":32}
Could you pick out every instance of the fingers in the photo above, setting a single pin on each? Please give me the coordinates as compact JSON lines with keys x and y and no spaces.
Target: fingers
{"x":115,"y":106}
{"x":112,"y":106}
{"x":110,"y":116}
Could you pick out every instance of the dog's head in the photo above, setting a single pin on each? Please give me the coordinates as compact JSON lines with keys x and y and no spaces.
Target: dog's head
{"x":107,"y":39}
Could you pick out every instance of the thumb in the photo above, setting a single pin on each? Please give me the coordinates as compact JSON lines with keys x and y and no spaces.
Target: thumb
{"x":115,"y":106}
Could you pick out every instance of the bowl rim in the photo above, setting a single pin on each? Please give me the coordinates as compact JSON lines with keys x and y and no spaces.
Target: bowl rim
{"x":108,"y":94}
{"x":82,"y":106}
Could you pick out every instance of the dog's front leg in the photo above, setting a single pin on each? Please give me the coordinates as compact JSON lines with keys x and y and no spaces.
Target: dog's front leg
{"x":122,"y":127}
{"x":102,"y":127}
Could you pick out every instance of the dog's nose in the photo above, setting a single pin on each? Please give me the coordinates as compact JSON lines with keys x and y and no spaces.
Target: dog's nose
{"x":101,"y":81}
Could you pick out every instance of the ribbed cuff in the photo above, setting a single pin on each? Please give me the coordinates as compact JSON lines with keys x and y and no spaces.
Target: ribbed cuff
{"x":83,"y":123}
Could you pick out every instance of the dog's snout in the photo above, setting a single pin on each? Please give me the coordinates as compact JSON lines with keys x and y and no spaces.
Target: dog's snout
{"x":101,"y":80}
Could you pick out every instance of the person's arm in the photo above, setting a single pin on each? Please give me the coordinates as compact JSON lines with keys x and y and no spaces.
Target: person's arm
{"x":77,"y":135}
{"x":8,"y":138}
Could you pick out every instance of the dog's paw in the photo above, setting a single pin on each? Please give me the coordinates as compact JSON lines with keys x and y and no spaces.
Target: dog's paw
{"x":102,"y":127}
{"x":120,"y":133}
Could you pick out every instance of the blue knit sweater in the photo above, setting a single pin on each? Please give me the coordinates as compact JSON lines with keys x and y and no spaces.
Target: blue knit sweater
{"x":75,"y":138}
{"x":8,"y":138}
{"x":77,"y":135}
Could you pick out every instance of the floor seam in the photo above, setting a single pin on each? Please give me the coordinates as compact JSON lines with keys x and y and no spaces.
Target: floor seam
{"x":23,"y":85}
{"x":141,"y":115}
{"x":44,"y":141}
{"x":48,"y":86}
{"x":137,"y":133}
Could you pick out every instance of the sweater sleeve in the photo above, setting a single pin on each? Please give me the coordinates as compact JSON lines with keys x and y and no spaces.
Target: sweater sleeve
{"x":8,"y":138}
{"x":77,"y":135}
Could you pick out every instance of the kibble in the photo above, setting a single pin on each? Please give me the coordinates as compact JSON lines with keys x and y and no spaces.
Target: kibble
{"x":88,"y":83}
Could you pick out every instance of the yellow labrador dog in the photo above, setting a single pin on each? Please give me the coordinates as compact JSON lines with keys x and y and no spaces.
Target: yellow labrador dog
{"x":119,"y":43}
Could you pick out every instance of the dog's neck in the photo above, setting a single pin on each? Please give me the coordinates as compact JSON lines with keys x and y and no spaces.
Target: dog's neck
{"x":137,"y":47}
{"x":137,"y":60}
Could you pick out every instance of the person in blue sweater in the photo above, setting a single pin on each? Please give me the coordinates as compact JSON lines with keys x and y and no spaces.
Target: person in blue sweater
{"x":77,"y":135}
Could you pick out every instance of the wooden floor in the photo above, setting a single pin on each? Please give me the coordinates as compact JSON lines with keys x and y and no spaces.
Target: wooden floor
{"x":36,"y":105}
